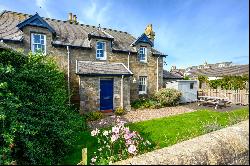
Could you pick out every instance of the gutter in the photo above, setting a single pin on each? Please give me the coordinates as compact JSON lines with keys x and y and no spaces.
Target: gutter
{"x":68,"y":53}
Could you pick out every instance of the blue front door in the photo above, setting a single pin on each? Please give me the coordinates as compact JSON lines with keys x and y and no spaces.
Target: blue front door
{"x":106,"y":95}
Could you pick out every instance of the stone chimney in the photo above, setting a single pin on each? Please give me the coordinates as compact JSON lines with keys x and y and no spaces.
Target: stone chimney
{"x":173,"y":68}
{"x":150,"y":33}
{"x":74,"y":19}
{"x":70,"y":17}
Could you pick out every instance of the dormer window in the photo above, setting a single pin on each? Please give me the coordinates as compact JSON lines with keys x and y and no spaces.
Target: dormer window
{"x":143,"y":54}
{"x":38,"y":43}
{"x":100,"y":50}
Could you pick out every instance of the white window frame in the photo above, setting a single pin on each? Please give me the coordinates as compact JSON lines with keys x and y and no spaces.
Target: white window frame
{"x":143,"y":51}
{"x":32,"y":42}
{"x":104,"y":51}
{"x":143,"y":80}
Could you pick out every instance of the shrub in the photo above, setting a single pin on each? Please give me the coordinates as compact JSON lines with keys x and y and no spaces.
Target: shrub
{"x":37,"y":125}
{"x":95,"y":115}
{"x":119,"y":111}
{"x":144,"y":103}
{"x":117,"y":144}
{"x":167,"y":97}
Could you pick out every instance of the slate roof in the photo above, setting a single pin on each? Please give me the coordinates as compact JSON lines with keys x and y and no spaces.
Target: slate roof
{"x":102,"y":68}
{"x":235,"y":70}
{"x":67,"y":33}
{"x":171,"y":75}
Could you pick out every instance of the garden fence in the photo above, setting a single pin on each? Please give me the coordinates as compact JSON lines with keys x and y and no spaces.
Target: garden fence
{"x":235,"y":96}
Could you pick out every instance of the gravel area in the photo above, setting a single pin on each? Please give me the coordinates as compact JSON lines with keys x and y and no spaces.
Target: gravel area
{"x":229,"y":107}
{"x":141,"y":115}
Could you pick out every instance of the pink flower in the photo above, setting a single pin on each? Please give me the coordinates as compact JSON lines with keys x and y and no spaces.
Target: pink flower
{"x":128,"y":142}
{"x":126,"y":129}
{"x":114,"y":138}
{"x":127,"y":136}
{"x":93,"y":159}
{"x":95,"y":132}
{"x":131,"y":149}
{"x":115,"y":130}
{"x":105,"y":133}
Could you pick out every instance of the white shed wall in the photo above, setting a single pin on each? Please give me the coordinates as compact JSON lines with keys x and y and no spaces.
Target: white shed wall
{"x":188,"y":95}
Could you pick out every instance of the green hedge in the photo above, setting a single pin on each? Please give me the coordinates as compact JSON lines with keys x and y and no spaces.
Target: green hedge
{"x":37,"y":125}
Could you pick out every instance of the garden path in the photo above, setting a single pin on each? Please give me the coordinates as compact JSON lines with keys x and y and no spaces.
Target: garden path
{"x":141,"y":115}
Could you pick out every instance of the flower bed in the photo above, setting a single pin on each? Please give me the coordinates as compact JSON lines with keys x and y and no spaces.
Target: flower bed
{"x":117,"y":143}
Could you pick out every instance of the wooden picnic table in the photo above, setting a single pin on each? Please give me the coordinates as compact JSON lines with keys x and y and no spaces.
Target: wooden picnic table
{"x":216,"y":101}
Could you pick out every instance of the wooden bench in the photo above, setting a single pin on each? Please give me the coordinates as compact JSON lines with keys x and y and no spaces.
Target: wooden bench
{"x":215,"y":101}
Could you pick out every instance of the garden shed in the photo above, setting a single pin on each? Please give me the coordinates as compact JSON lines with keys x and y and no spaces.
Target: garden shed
{"x":188,"y":88}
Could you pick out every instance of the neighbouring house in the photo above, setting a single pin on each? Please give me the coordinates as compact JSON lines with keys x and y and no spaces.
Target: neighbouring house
{"x":169,"y":76}
{"x":188,"y":89}
{"x":178,"y":71}
{"x":219,"y":72}
{"x":207,"y":66}
{"x":105,"y":68}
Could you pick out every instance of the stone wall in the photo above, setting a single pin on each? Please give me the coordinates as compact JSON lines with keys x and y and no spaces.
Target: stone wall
{"x":90,"y":93}
{"x":59,"y":53}
{"x":228,"y":146}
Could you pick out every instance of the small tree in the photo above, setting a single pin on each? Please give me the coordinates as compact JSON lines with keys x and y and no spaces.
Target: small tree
{"x":202,"y":79}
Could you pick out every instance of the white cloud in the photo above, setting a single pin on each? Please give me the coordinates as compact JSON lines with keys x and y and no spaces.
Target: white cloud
{"x":97,"y":12}
{"x":42,"y":4}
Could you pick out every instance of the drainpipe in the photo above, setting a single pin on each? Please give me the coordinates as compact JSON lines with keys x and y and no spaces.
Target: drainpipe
{"x":157,"y":74}
{"x":68,"y":74}
{"x":122,"y":91}
{"x":128,"y":58}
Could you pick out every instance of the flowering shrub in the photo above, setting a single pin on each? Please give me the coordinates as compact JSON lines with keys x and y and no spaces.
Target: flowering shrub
{"x":95,"y":115}
{"x":119,"y":111}
{"x":145,"y":103}
{"x":118,"y":143}
{"x":168,"y":97}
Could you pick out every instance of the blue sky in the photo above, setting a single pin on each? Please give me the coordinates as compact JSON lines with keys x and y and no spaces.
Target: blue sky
{"x":188,"y":31}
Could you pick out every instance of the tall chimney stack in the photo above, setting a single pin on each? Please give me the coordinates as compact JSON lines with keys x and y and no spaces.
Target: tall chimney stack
{"x":74,"y":19}
{"x":150,"y":33}
{"x":70,"y":17}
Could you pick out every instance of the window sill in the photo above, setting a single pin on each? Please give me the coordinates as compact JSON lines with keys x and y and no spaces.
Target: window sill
{"x":101,"y":59}
{"x":143,"y":62}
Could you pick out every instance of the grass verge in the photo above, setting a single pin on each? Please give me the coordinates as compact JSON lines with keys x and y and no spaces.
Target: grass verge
{"x":163,"y":132}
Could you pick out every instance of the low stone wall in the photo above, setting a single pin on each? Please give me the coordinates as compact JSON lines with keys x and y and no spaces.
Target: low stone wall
{"x":226,"y":146}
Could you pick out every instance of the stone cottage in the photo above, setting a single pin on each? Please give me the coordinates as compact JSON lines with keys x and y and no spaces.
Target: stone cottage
{"x":105,"y":68}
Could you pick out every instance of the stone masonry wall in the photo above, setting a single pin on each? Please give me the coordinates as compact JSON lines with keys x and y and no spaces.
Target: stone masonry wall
{"x":90,"y":93}
{"x":59,"y":53}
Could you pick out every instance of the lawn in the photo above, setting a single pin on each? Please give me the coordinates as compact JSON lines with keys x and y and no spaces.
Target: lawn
{"x":163,"y":132}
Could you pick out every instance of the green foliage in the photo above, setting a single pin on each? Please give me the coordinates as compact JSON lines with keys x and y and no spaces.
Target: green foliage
{"x":202,"y":79}
{"x":37,"y":125}
{"x":163,"y":98}
{"x":186,"y":78}
{"x":120,"y":111}
{"x":143,"y":103}
{"x":95,"y":115}
{"x":230,"y":82}
{"x":168,"y":97}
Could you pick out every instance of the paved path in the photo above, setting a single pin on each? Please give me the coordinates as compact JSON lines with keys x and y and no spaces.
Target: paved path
{"x":142,"y":115}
